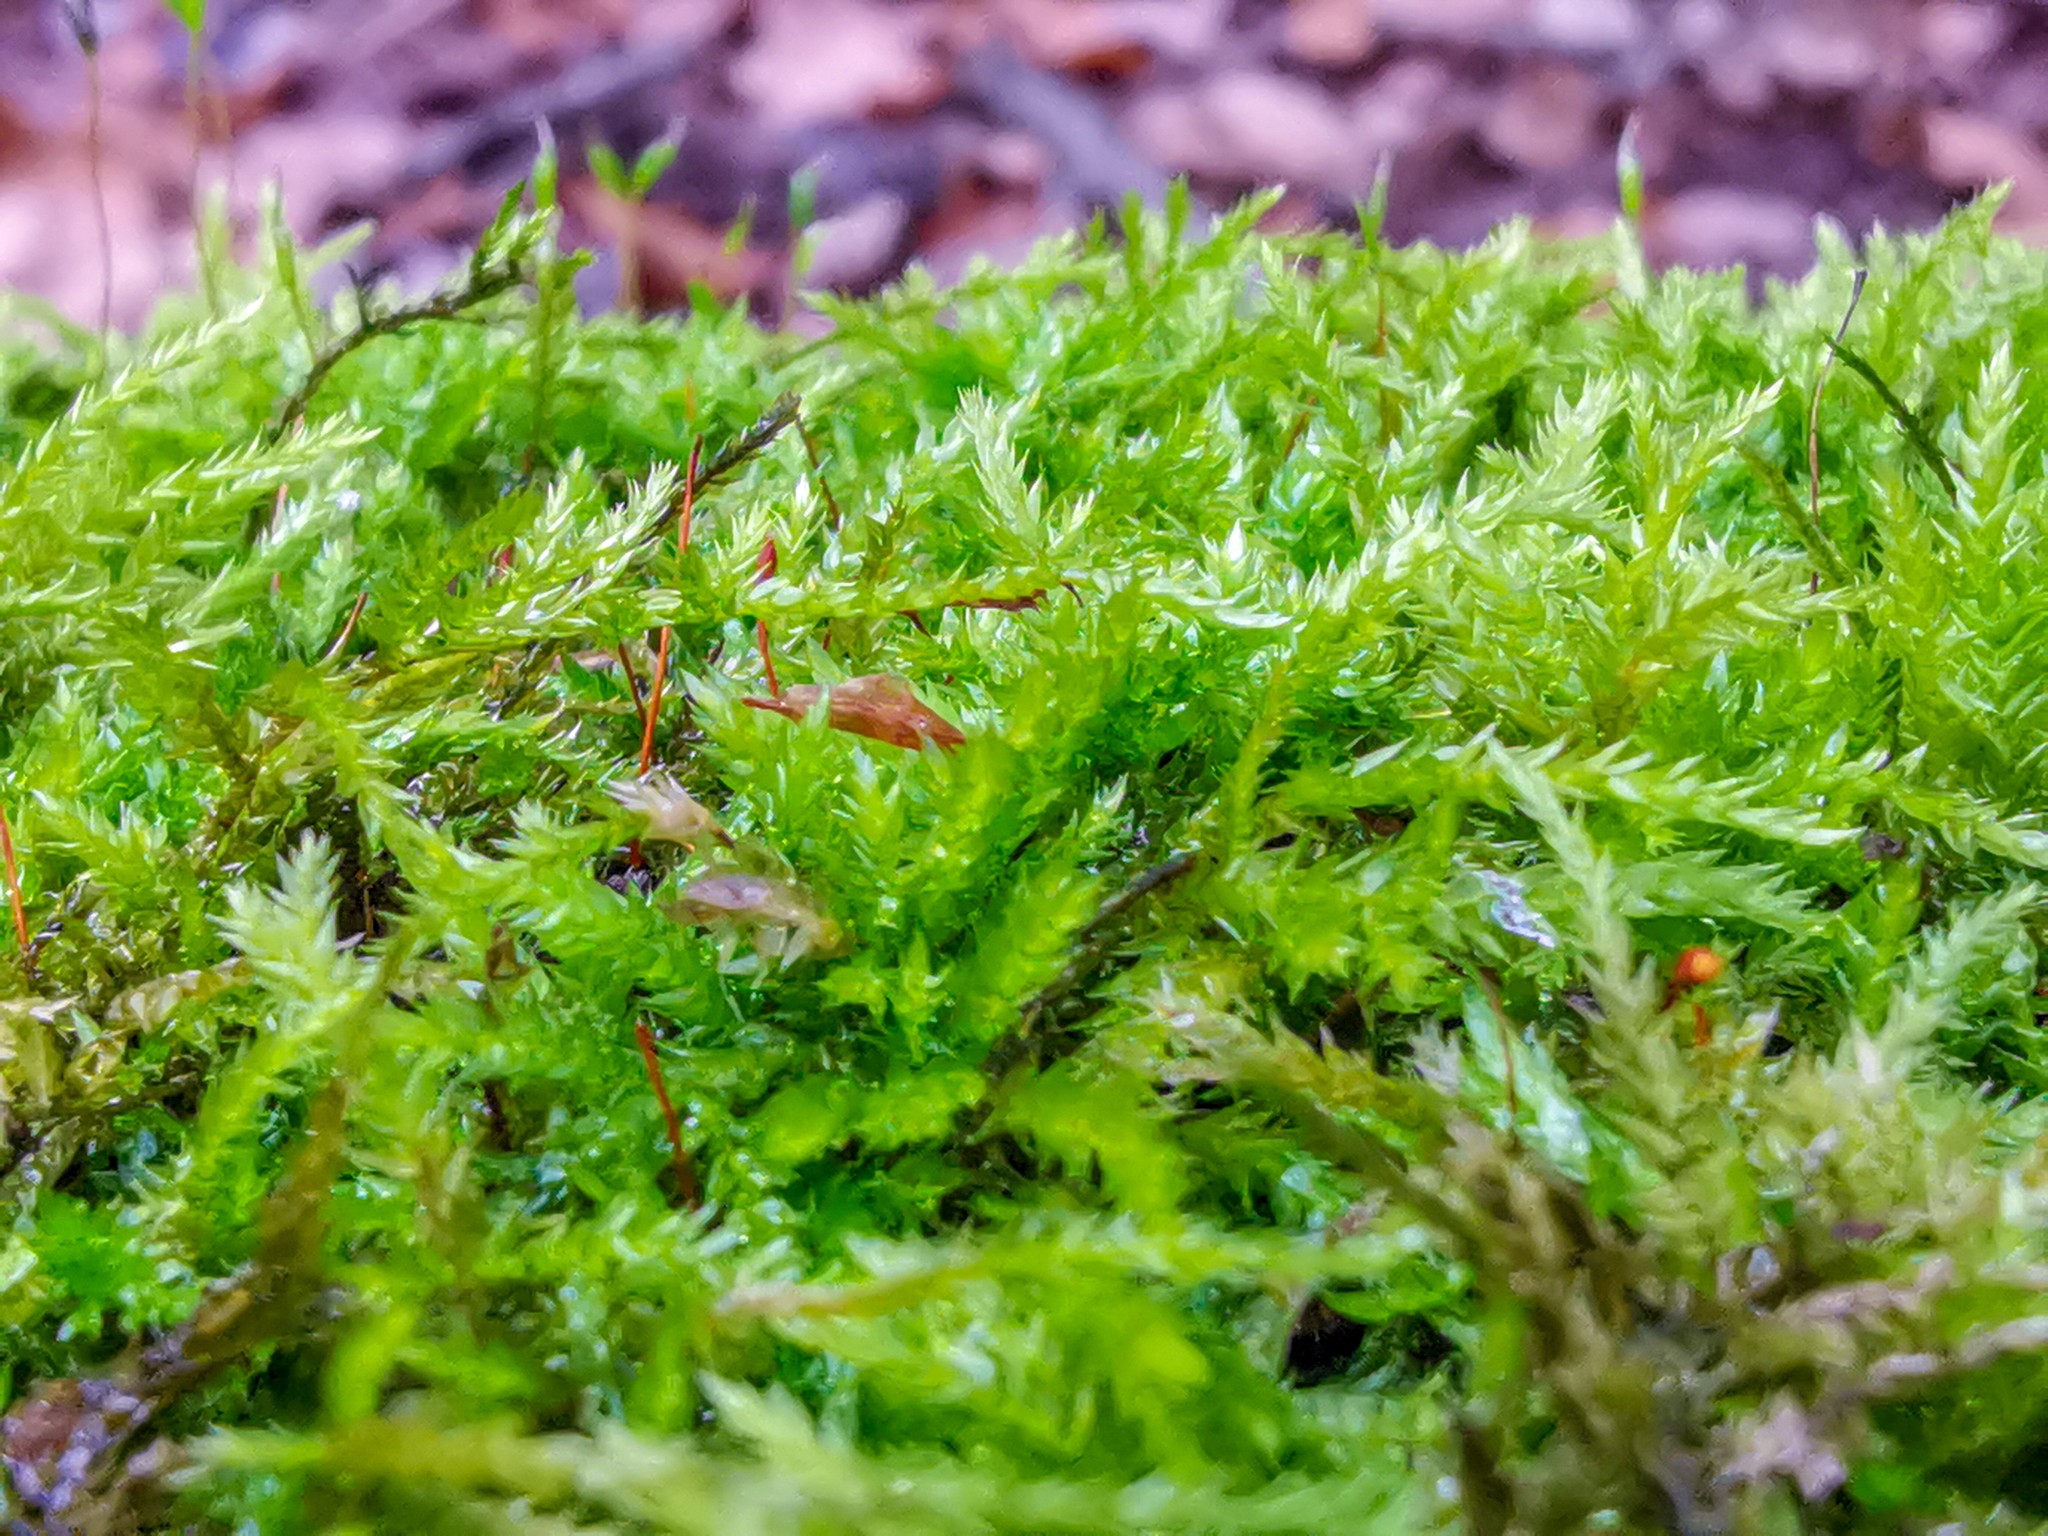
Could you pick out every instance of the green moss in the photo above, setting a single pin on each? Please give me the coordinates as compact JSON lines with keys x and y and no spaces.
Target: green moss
{"x":1237,"y":1089}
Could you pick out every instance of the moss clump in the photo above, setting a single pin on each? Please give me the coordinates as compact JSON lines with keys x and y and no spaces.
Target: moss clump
{"x":1178,"y":1006}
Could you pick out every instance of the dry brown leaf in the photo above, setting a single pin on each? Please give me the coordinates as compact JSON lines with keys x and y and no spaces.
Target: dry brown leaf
{"x":1399,"y":104}
{"x":976,"y":222}
{"x":877,"y":706}
{"x":1584,"y":26}
{"x":1702,"y":226}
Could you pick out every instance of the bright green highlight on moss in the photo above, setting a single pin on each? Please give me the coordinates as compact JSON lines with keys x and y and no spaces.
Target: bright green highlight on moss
{"x":1238,"y":1089}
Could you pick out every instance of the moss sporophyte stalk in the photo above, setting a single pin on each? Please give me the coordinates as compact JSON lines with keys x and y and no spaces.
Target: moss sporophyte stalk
{"x":1227,"y":883}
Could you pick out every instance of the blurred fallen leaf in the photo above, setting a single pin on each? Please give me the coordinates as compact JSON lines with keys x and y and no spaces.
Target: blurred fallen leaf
{"x":1112,"y":39}
{"x":1254,"y":125}
{"x":856,"y":246}
{"x":834,"y":61}
{"x":879,"y":707}
{"x":1330,"y":34}
{"x":675,"y":250}
{"x":1966,"y":151}
{"x":1546,"y":117}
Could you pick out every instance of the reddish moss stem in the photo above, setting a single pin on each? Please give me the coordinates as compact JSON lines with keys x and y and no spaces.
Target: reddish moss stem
{"x":348,"y":627}
{"x":689,"y":509}
{"x":660,"y":683}
{"x":686,"y":1172}
{"x":765,"y":565}
{"x":653,"y":710}
{"x":14,"y":902}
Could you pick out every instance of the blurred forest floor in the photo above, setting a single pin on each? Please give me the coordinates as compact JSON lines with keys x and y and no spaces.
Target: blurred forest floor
{"x":942,"y":129}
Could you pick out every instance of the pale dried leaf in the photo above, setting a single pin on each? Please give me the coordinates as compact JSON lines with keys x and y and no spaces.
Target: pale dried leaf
{"x":1786,"y":1443}
{"x":149,"y":1003}
{"x":877,"y":706}
{"x":673,"y":814}
{"x":778,"y":916}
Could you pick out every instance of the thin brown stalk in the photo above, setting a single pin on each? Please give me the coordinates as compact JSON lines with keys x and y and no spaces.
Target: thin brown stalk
{"x":632,"y":677}
{"x":736,"y":452}
{"x":629,"y":257}
{"x":686,"y":1172}
{"x":650,"y":711}
{"x":197,"y":123}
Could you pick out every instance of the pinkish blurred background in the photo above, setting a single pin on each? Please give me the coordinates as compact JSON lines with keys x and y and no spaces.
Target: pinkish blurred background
{"x":941,"y":129}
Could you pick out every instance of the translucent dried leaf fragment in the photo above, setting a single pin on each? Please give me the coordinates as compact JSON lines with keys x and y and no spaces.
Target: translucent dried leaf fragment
{"x":147,"y":1005}
{"x":779,"y":917}
{"x":674,"y":815}
{"x":877,"y":706}
{"x":1510,"y":910}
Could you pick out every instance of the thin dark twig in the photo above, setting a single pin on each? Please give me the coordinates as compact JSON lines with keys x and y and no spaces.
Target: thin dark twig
{"x":481,"y":288}
{"x":1813,"y":410}
{"x":764,"y":431}
{"x":211,"y":839}
{"x":1796,"y":516}
{"x":1917,"y":435}
{"x":686,"y":1172}
{"x":803,"y":432}
{"x":1092,"y":942}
